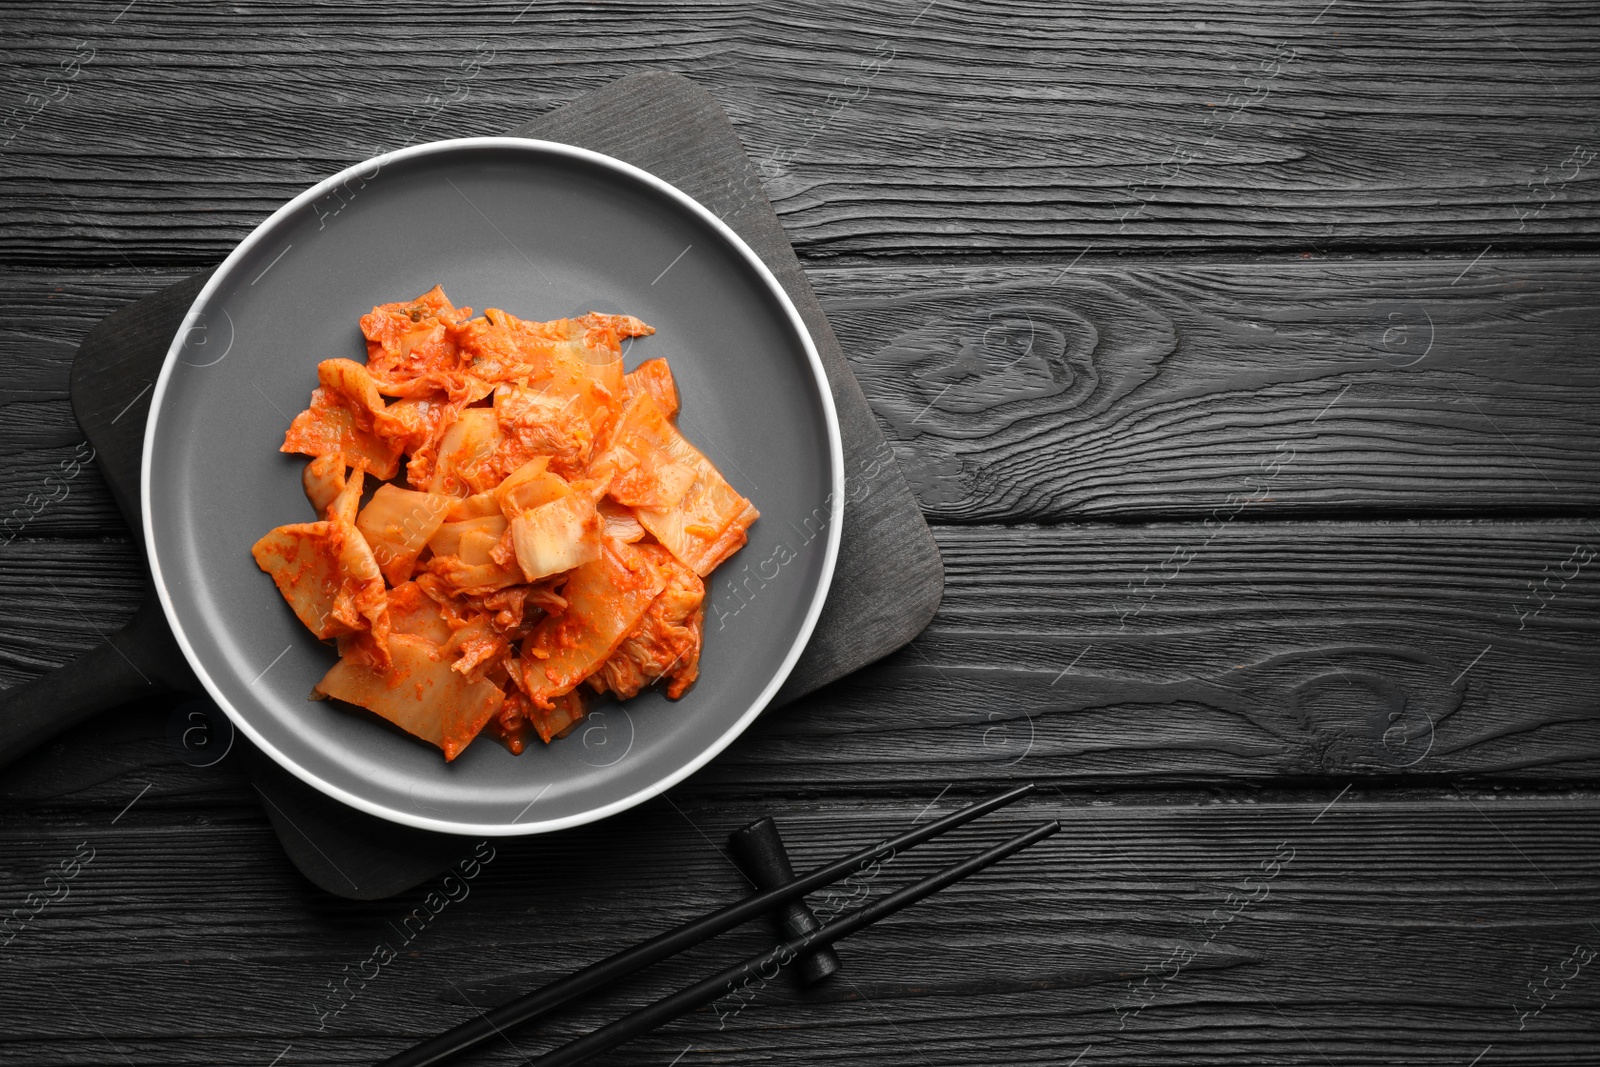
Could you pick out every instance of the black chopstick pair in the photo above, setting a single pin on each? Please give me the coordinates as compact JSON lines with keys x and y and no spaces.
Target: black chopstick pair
{"x":495,"y":1022}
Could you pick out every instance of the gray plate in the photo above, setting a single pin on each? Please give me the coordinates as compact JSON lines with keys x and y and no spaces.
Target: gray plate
{"x":542,"y":230}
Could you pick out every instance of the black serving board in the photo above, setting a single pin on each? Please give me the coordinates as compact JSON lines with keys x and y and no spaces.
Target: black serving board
{"x":888,"y":581}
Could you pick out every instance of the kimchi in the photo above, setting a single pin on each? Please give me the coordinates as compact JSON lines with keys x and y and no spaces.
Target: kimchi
{"x":539,"y":530}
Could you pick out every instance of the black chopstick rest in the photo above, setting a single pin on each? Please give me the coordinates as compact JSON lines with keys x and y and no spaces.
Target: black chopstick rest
{"x":759,"y":852}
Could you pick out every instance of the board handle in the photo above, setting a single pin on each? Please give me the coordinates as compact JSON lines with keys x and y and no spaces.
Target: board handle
{"x":141,"y":659}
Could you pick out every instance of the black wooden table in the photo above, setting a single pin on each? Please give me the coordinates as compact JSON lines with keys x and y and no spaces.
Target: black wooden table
{"x":1244,"y":356}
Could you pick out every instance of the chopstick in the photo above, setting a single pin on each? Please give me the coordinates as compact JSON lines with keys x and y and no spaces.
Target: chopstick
{"x":489,"y":1025}
{"x":724,"y":982}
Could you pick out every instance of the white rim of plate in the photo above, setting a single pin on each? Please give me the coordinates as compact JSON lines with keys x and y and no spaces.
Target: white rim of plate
{"x":836,"y":496}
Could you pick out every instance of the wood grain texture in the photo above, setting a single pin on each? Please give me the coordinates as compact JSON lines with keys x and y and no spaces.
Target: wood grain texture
{"x":1396,"y":387}
{"x":1480,"y":893}
{"x":1140,"y":391}
{"x":43,"y":318}
{"x":1157,"y":654}
{"x":963,"y":128}
{"x":1294,"y":649}
{"x":57,"y":599}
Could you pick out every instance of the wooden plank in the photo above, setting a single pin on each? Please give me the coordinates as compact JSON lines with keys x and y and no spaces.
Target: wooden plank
{"x":60,"y":598}
{"x":1153,"y":390}
{"x":1136,"y":655}
{"x":163,"y":134}
{"x":1131,"y":391}
{"x":1133,"y":654}
{"x":44,"y":490}
{"x":1480,"y":894}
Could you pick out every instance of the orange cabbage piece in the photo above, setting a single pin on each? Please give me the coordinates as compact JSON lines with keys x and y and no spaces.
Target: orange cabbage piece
{"x":419,"y":693}
{"x":398,"y":524}
{"x":666,"y":641}
{"x":605,"y":601}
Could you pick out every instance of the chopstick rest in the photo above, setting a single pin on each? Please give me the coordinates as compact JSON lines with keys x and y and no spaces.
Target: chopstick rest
{"x":758,"y":850}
